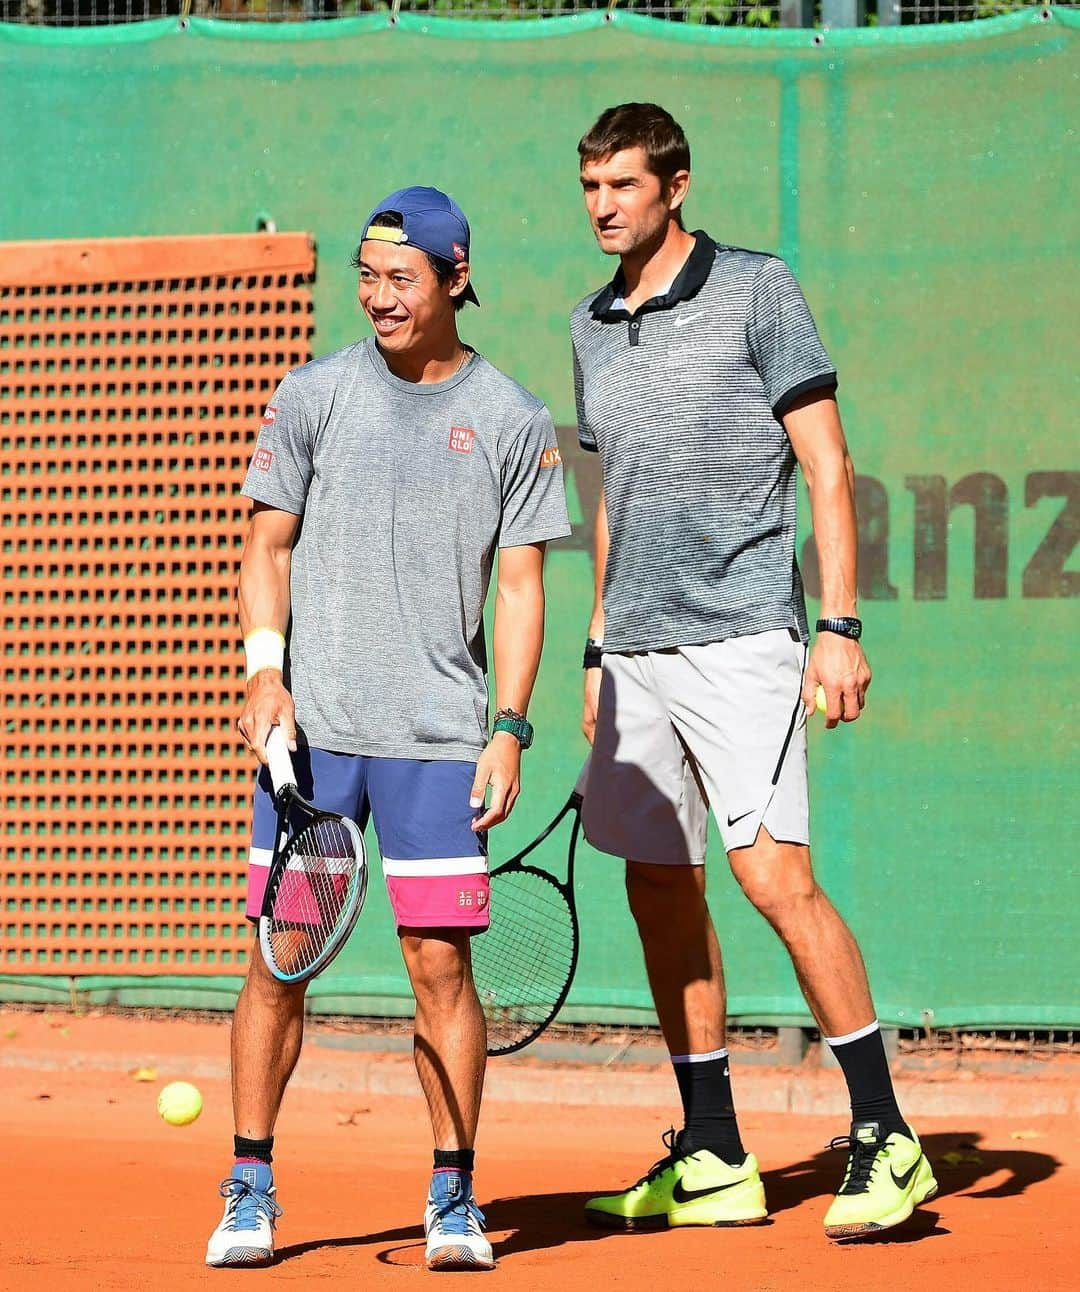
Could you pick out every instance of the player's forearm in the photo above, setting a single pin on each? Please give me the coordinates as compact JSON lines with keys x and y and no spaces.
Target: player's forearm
{"x":602,"y":543}
{"x":518,"y":640}
{"x":836,"y":534}
{"x":263,"y":587}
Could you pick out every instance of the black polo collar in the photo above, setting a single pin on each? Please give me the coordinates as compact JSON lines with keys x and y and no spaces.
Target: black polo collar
{"x":691,"y":280}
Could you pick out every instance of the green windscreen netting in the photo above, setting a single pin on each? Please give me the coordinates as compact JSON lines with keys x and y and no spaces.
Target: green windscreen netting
{"x":922,"y":184}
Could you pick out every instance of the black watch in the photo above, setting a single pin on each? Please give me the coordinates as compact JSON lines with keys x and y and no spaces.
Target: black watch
{"x":594,"y":654}
{"x":516,"y":724}
{"x":844,"y":625}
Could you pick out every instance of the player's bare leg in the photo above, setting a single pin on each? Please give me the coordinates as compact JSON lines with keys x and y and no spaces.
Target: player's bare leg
{"x":268,"y":1030}
{"x":682,"y":954}
{"x":267,"y":1033}
{"x":449,"y":1048}
{"x":707,"y":1178}
{"x":449,"y":1040}
{"x":778,"y":879}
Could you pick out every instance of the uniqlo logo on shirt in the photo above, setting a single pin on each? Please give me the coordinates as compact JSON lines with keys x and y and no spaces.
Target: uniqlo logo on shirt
{"x":262,"y":460}
{"x":461,"y":439}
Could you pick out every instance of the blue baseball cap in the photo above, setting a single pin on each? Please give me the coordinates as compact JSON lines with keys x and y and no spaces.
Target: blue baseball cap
{"x":431,"y":222}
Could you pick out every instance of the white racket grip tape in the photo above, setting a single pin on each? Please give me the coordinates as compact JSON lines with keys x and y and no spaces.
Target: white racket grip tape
{"x":277,"y":757}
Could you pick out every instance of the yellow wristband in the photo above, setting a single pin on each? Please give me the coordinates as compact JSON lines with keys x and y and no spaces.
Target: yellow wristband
{"x":264,"y":648}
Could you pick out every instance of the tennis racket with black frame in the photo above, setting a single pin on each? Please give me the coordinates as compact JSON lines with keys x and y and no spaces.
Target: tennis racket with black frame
{"x":317,"y":882}
{"x":524,"y":963}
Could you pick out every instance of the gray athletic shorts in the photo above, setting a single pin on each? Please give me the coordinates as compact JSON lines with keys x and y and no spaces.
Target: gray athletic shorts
{"x":679,"y":730}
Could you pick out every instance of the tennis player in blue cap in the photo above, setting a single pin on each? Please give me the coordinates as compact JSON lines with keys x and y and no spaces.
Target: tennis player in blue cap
{"x":410,"y":461}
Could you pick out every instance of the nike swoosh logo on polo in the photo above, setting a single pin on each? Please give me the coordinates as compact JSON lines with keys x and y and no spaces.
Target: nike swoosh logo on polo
{"x":902,"y":1181}
{"x":683,"y":319}
{"x":734,"y":820}
{"x":679,"y":1194}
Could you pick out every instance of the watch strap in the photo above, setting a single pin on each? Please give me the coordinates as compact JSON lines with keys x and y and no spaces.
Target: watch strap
{"x":843,"y":625}
{"x":515,"y":724}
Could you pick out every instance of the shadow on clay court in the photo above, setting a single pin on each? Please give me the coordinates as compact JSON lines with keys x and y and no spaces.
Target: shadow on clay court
{"x":542,"y":1221}
{"x":534,"y":1223}
{"x":959,"y":1163}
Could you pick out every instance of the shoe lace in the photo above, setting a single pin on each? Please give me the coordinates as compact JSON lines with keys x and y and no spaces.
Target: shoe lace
{"x":244,"y":1205}
{"x":462,"y":1213}
{"x":673,"y":1142}
{"x":865,"y":1155}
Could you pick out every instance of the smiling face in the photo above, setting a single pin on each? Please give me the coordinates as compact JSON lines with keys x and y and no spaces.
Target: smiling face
{"x":629,"y":207}
{"x":409,"y":309}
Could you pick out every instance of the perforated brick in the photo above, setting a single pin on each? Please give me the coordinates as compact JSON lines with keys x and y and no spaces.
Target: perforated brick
{"x":133,"y":374}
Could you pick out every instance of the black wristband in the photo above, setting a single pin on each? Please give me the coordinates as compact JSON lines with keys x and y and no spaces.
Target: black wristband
{"x":842,"y":625}
{"x":594,"y":654}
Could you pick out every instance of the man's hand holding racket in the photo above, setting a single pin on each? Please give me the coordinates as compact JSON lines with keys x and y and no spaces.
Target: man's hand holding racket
{"x":267,"y":704}
{"x":499,"y":767}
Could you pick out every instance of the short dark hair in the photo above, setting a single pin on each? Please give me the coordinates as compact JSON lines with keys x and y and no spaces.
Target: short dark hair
{"x":443,"y":269}
{"x":639,"y":125}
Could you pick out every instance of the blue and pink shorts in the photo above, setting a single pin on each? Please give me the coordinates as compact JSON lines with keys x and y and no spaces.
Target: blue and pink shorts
{"x":435,"y":864}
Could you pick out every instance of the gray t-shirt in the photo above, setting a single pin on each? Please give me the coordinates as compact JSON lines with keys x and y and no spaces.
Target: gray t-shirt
{"x":683,"y":400}
{"x":405,"y":492}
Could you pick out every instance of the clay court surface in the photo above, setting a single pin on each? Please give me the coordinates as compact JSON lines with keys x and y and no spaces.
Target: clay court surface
{"x":97,"y":1192}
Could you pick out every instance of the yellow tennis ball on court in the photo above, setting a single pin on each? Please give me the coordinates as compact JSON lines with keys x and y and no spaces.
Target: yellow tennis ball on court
{"x":820,"y":700}
{"x":179,"y":1103}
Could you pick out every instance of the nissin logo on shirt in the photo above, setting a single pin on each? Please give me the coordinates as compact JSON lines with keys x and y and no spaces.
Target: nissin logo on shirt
{"x":461,"y":439}
{"x":269,"y":415}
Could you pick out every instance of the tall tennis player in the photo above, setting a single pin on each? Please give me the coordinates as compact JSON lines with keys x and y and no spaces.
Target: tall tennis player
{"x":385,"y":478}
{"x":703,"y":385}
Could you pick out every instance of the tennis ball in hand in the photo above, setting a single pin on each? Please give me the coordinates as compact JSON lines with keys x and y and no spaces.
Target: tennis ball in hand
{"x":179,"y":1103}
{"x":820,"y":700}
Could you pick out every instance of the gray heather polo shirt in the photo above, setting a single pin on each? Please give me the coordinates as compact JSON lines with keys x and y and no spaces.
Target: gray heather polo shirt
{"x":405,"y":491}
{"x":683,"y":401}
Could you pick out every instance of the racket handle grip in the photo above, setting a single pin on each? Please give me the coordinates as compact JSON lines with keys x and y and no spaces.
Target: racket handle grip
{"x":277,"y":757}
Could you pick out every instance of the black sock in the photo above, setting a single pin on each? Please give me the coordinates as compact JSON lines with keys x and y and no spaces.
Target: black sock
{"x":455,"y":1159}
{"x":708,"y":1108}
{"x":869,"y":1082}
{"x":261,"y":1149}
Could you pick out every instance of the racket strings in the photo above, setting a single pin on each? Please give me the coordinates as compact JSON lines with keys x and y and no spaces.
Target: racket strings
{"x":522,"y":964}
{"x":313,"y":896}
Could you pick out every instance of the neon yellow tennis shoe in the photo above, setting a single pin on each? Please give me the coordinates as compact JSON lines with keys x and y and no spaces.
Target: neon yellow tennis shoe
{"x":886,"y":1178}
{"x":685,"y":1189}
